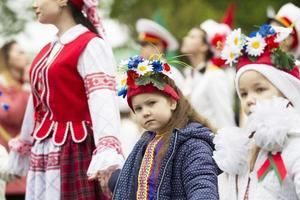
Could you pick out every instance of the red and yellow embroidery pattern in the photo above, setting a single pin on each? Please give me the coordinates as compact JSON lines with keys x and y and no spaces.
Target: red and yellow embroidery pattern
{"x":146,"y":169}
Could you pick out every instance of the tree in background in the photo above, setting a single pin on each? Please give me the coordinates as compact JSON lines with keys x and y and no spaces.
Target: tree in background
{"x":178,"y":15}
{"x":181,"y":15}
{"x":13,"y":17}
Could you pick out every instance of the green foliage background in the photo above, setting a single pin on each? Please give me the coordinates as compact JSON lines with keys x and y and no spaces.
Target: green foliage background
{"x":177,"y":15}
{"x":10,"y":22}
{"x":181,"y":15}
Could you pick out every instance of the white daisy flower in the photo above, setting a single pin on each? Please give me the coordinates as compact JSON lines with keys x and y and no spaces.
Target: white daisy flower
{"x":230,"y":54}
{"x":235,"y":39}
{"x":144,"y":67}
{"x":255,"y":45}
{"x":122,"y":80}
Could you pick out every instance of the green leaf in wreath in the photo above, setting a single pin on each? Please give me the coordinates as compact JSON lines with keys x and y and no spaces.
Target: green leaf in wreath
{"x":291,"y":60}
{"x":159,"y":84}
{"x":282,"y":60}
{"x":252,"y":58}
{"x":274,"y":58}
{"x":143,"y":80}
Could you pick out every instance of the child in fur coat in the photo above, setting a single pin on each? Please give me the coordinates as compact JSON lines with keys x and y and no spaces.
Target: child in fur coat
{"x":262,"y":159}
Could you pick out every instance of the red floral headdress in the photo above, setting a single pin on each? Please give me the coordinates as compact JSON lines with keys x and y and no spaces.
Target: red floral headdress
{"x":261,"y":47}
{"x":139,"y":75}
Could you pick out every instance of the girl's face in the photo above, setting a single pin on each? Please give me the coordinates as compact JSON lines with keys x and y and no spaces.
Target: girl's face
{"x":48,"y":11}
{"x":193,"y":42}
{"x":17,"y":57}
{"x":254,"y":86}
{"x":153,"y":110}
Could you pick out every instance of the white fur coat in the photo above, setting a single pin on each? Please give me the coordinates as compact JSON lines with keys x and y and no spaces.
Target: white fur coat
{"x":277,"y":129}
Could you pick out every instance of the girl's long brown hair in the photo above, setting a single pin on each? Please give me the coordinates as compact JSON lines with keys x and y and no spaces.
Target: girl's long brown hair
{"x":254,"y":153}
{"x":182,"y":115}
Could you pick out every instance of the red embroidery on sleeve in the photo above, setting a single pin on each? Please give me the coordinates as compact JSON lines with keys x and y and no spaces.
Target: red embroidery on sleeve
{"x":99,"y":81}
{"x":109,"y":142}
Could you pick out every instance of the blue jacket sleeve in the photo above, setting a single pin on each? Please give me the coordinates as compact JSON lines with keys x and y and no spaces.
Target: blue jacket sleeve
{"x":113,"y":180}
{"x":199,"y":171}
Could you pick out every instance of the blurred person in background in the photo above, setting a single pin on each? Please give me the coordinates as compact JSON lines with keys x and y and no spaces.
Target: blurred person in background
{"x":288,"y":16}
{"x":208,"y":86}
{"x":14,"y":92}
{"x":156,"y":39}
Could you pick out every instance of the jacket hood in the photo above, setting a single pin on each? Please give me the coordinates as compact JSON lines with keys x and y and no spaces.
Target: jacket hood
{"x":197,"y":131}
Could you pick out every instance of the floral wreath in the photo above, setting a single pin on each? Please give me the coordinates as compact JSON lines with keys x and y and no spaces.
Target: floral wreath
{"x":266,"y":39}
{"x":137,"y":71}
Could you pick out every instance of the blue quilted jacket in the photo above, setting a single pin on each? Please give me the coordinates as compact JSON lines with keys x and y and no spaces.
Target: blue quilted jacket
{"x":188,"y":170}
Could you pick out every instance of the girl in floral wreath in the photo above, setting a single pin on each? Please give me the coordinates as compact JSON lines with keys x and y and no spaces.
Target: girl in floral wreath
{"x":262,"y":159}
{"x":72,"y":118}
{"x":173,"y":158}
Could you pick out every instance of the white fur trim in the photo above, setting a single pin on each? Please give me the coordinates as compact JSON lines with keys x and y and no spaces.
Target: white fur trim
{"x":232,"y":150}
{"x":272,"y":120}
